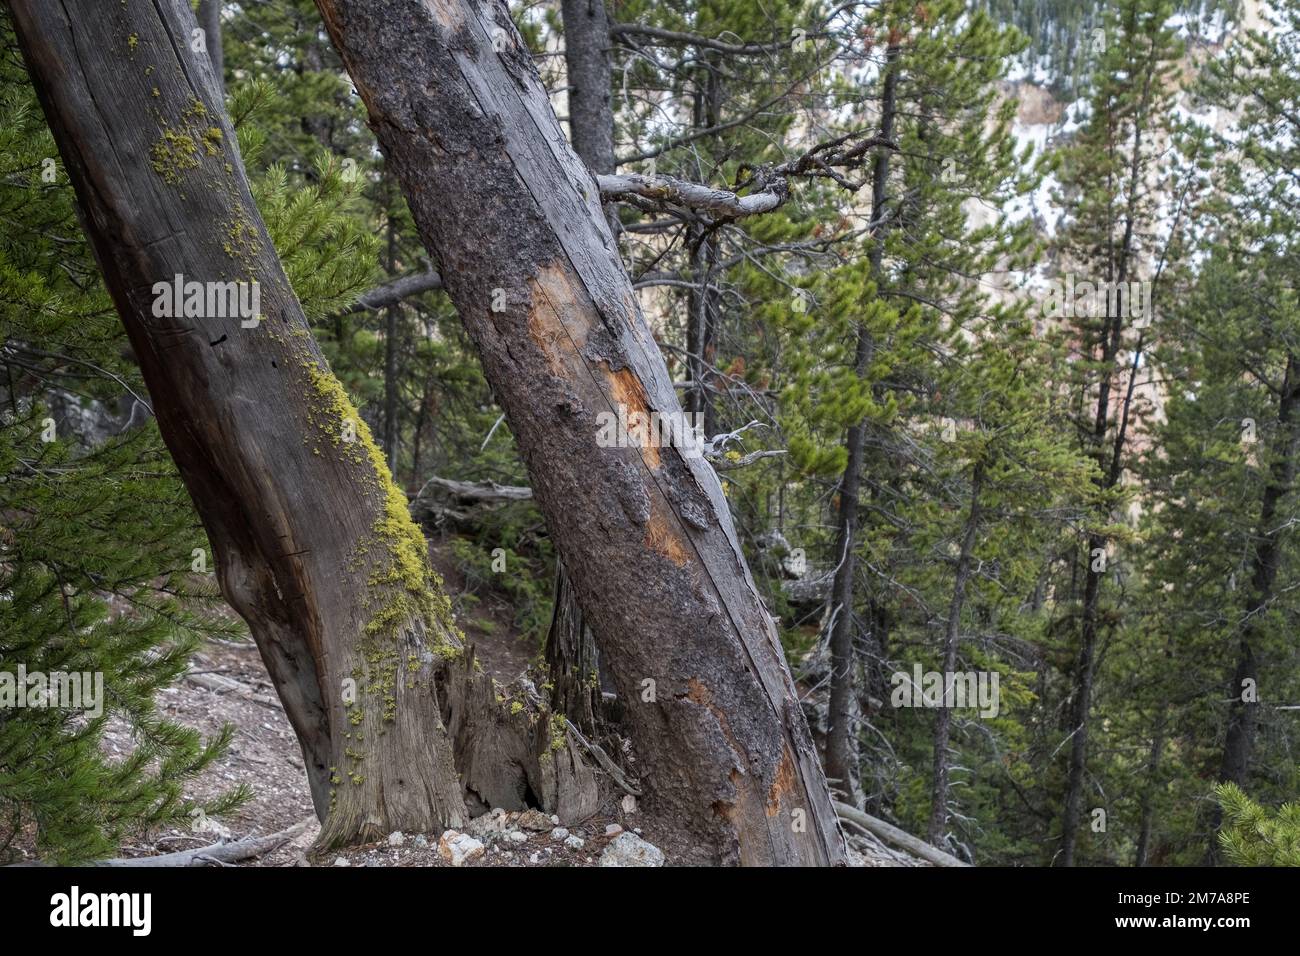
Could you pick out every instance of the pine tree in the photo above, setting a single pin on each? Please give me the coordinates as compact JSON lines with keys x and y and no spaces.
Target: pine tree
{"x":1114,"y":175}
{"x":97,"y":541}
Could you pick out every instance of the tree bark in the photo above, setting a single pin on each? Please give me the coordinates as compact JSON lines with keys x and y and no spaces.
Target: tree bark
{"x":514,"y":218}
{"x":313,"y":544}
{"x":571,"y":655}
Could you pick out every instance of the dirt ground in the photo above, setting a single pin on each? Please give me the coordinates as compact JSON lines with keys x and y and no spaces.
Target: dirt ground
{"x":228,"y":684}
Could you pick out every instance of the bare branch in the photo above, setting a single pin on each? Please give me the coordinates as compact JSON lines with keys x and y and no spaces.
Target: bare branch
{"x":391,"y":293}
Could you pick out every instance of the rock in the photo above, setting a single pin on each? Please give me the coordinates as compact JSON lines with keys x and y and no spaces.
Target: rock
{"x":555,"y":819}
{"x":341,"y":861}
{"x":458,"y":848}
{"x":517,"y":836}
{"x":396,"y":838}
{"x":629,"y":850}
{"x":534,"y":820}
{"x":559,"y":833}
{"x":574,"y":842}
{"x":629,"y":804}
{"x":492,"y":823}
{"x":612,"y":829}
{"x":422,"y":841}
{"x":535,"y":858}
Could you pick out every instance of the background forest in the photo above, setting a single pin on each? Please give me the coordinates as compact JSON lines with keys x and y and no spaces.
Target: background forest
{"x":936,"y":460}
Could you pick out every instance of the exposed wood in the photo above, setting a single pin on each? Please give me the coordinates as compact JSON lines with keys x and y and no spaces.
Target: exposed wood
{"x":514,"y":219}
{"x":218,"y":853}
{"x":718,"y":203}
{"x":572,"y":661}
{"x":514,"y":752}
{"x":477,"y":491}
{"x":393,"y":292}
{"x":900,"y":838}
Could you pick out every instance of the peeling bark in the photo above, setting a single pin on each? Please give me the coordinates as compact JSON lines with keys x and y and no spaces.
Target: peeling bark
{"x":513,"y":217}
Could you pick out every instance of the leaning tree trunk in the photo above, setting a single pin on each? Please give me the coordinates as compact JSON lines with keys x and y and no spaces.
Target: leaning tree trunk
{"x":313,"y":544}
{"x":515,"y":220}
{"x":571,"y":655}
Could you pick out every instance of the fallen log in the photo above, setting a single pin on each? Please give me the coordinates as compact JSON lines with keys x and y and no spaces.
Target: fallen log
{"x":900,"y":838}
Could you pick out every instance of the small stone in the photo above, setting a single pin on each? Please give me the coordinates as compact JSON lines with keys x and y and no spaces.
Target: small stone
{"x":459,"y":848}
{"x":628,"y":850}
{"x":396,"y":838}
{"x":422,"y":841}
{"x":555,"y":819}
{"x":492,"y":823}
{"x":574,"y":842}
{"x":535,"y":858}
{"x":629,"y":804}
{"x":341,"y":861}
{"x":612,"y":829}
{"x":517,"y":836}
{"x":534,"y":820}
{"x":559,"y":833}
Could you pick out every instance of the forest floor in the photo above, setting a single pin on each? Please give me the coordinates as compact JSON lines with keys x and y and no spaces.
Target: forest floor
{"x":228,"y":684}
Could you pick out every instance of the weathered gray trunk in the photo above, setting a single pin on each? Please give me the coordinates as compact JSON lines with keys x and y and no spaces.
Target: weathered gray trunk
{"x":514,"y":218}
{"x":313,"y":545}
{"x":571,"y":655}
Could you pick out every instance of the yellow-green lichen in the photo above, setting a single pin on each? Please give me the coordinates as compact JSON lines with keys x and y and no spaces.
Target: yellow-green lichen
{"x":172,"y":153}
{"x":181,"y":147}
{"x":402,"y":582}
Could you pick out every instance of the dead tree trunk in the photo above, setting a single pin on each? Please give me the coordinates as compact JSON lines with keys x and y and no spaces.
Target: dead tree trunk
{"x":515,"y":221}
{"x":571,"y":655}
{"x":571,"y":659}
{"x":313,"y":544}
